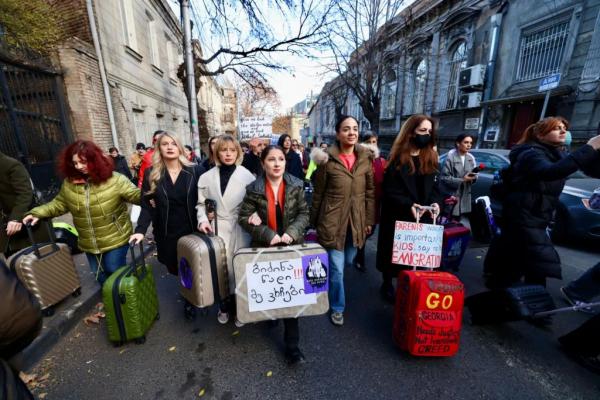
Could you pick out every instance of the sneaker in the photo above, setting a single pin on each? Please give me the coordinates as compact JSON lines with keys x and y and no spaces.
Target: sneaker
{"x":238,"y":323}
{"x":337,"y":318}
{"x":574,"y":301}
{"x":223,"y":317}
{"x":294,"y":356}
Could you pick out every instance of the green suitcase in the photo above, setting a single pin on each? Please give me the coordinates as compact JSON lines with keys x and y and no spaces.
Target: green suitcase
{"x":130,"y":301}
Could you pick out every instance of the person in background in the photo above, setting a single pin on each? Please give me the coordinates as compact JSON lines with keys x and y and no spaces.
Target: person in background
{"x":534,"y":182}
{"x":226,"y":185}
{"x":343,"y":207}
{"x":252,"y":158}
{"x":410,"y":181}
{"x":370,"y":143}
{"x":209,"y":161}
{"x":97,"y":199}
{"x":191,"y":155}
{"x":120,"y":162}
{"x":135,"y":161}
{"x":457,"y":176}
{"x":293,"y":165}
{"x":324,"y":146}
{"x":245,"y":147}
{"x":275,"y":213}
{"x":169,"y":197}
{"x":147,"y":159}
{"x":304,"y":157}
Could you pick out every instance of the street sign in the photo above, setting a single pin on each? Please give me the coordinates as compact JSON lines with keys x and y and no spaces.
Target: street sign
{"x":549,"y":82}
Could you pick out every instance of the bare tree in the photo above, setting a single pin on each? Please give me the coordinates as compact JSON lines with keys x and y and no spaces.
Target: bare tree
{"x":357,"y":42}
{"x":258,"y":98}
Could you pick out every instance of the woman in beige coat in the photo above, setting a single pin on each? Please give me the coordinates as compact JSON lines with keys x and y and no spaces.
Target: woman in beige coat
{"x":343,"y":207}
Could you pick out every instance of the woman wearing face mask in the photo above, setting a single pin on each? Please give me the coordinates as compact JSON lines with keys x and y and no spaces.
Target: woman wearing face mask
{"x":343,"y":207}
{"x":97,"y":199}
{"x":293,"y":163}
{"x":410,"y":181}
{"x":534,"y":182}
{"x":226,"y":185}
{"x":275,"y":213}
{"x":457,"y":176}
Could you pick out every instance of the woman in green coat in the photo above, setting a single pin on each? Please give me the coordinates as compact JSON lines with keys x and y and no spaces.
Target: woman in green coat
{"x":97,"y":199}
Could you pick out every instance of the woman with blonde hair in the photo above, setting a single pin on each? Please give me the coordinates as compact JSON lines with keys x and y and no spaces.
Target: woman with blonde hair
{"x":410,"y":181}
{"x":169,"y":198}
{"x":225,"y":184}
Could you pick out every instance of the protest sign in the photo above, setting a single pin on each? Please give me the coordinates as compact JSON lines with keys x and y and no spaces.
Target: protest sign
{"x":251,"y":127}
{"x":417,"y":245}
{"x":287,"y":282}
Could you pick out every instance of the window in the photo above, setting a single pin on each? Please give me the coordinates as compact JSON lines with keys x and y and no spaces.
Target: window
{"x":141,"y":130}
{"x":542,"y":52}
{"x":129,"y":24}
{"x":591,"y":69}
{"x":415,"y":95}
{"x":173,"y":60}
{"x":491,"y":162}
{"x":388,"y":95}
{"x":154,"y":54}
{"x":458,"y":61}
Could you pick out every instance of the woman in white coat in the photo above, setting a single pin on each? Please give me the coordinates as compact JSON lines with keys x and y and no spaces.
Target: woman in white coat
{"x":226,"y":186}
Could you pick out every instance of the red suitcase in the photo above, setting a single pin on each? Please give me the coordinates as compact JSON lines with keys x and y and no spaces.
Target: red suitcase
{"x":456,"y":241}
{"x":428,"y":313}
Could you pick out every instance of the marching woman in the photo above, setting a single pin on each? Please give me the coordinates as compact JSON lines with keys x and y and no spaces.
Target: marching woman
{"x":209,"y":161}
{"x":293,"y":162}
{"x":410,"y":181}
{"x":97,"y":199}
{"x":169,"y":197}
{"x":343,"y":207}
{"x":275,"y":212}
{"x":225,"y":184}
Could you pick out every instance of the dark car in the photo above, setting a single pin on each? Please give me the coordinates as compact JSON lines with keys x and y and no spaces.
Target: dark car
{"x":572,"y":220}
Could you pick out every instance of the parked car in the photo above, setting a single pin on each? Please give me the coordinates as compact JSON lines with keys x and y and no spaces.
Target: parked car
{"x":573,"y":220}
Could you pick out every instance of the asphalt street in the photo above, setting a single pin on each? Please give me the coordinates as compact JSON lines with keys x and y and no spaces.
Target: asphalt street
{"x":203,"y":359}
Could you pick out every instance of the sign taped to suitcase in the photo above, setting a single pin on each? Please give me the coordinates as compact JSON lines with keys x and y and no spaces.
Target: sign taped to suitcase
{"x":281,"y":282}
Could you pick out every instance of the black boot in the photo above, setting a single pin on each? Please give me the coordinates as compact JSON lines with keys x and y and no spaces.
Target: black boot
{"x":387,"y":292}
{"x":294,"y":356}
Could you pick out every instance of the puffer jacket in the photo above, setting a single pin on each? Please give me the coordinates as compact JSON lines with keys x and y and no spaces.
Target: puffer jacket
{"x":99,"y":211}
{"x":16,"y":194}
{"x":295,"y":211}
{"x":343,"y":199}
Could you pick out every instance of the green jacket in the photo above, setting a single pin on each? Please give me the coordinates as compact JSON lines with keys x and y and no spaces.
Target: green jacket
{"x":295,"y":212}
{"x":16,"y":194}
{"x":99,"y":211}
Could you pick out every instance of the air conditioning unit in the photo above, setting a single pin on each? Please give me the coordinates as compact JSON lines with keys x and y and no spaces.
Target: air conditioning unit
{"x":469,"y":100}
{"x":471,"y":78}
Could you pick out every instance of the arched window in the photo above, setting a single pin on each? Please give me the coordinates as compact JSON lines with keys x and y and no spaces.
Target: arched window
{"x":458,"y":61}
{"x":388,"y":95}
{"x":419,"y":73}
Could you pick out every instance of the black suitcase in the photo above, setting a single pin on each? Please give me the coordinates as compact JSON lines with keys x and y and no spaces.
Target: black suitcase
{"x":510,"y":304}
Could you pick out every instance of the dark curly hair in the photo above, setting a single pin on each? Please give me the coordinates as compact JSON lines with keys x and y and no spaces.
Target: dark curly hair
{"x":100,"y":166}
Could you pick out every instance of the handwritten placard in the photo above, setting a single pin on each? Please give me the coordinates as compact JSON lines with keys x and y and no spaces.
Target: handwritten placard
{"x":287,"y":282}
{"x":417,"y":245}
{"x":260,"y":126}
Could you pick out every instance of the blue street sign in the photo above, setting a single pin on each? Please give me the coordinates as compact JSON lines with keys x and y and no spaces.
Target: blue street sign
{"x":549,"y":82}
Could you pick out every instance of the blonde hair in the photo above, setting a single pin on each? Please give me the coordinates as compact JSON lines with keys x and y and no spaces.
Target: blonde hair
{"x":158,"y":165}
{"x":222,"y":141}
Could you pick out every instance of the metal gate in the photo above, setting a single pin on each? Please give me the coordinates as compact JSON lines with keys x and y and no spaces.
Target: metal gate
{"x":33,"y":123}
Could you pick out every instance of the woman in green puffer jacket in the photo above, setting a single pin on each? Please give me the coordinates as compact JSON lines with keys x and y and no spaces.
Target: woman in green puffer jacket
{"x":97,"y":199}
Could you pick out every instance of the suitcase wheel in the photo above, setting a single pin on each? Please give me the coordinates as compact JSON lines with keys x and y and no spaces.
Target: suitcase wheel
{"x":140,"y":340}
{"x":76,"y":293}
{"x":48,"y":312}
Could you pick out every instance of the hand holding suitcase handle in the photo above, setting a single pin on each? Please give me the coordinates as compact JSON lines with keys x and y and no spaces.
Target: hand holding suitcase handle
{"x":141,"y":261}
{"x":36,"y":245}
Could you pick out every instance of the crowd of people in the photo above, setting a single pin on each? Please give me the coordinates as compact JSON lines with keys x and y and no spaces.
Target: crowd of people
{"x":260,"y":201}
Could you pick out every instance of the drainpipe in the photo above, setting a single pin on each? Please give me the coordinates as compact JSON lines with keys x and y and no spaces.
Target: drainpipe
{"x":109,"y":108}
{"x":496,"y":21}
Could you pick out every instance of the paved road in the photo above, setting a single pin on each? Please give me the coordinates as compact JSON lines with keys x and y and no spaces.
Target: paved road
{"x":183,"y":360}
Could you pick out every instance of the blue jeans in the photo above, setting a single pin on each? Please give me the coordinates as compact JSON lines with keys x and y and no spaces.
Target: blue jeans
{"x":337,"y":261}
{"x":110,"y":262}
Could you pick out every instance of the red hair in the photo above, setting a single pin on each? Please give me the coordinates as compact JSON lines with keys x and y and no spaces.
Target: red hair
{"x":541,"y":129}
{"x":100,"y":166}
{"x":402,"y":147}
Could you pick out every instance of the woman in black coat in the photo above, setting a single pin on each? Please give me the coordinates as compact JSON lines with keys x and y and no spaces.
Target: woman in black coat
{"x":410,"y":181}
{"x":293,"y":164}
{"x":533,"y":184}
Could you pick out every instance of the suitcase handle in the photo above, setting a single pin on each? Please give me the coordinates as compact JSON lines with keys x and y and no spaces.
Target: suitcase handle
{"x":141,"y":261}
{"x":36,"y":245}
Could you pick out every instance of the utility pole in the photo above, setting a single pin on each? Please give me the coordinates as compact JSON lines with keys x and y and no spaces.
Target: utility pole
{"x":189,"y":69}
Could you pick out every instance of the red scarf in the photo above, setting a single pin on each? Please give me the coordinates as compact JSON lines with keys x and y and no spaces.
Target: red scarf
{"x":271,"y":210}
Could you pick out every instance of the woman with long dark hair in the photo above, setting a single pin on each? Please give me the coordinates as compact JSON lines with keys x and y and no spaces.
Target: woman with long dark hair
{"x":97,"y":199}
{"x":293,"y":163}
{"x":275,"y":213}
{"x":410,"y":182}
{"x":534,"y":181}
{"x":343,"y":209}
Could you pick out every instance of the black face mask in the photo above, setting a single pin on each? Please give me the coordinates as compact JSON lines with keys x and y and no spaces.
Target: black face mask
{"x":421,"y":141}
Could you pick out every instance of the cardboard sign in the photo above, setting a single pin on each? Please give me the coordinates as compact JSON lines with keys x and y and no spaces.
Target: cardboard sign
{"x":417,"y":245}
{"x":286,"y":283}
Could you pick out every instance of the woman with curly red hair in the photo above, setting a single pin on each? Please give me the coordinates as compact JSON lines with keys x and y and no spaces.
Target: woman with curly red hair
{"x":97,"y":199}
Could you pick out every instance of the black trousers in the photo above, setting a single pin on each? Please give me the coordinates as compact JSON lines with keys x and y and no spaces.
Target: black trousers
{"x":584,"y":340}
{"x":291,"y":333}
{"x":587,"y":285}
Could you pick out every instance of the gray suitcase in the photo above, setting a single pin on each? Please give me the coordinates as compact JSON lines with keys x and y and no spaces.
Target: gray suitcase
{"x":47,"y":270}
{"x":283,"y":282}
{"x":202,"y":269}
